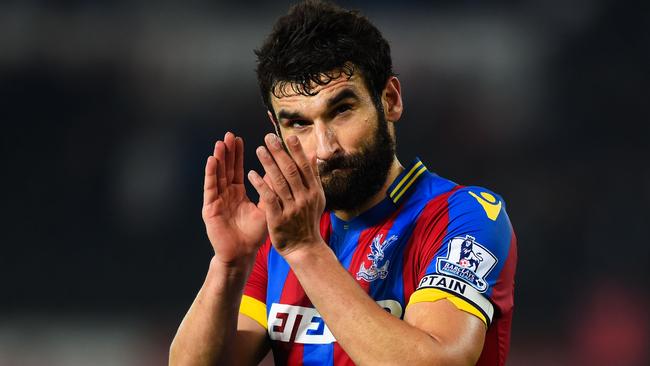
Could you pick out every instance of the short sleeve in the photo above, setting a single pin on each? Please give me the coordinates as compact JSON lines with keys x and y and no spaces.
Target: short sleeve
{"x":471,"y":260}
{"x":253,"y":302}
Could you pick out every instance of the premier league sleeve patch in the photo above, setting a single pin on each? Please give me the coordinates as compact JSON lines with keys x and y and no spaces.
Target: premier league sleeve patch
{"x":467,"y":260}
{"x":462,"y":272}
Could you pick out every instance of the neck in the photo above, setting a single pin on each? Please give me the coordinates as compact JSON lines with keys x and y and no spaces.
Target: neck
{"x":395,"y":170}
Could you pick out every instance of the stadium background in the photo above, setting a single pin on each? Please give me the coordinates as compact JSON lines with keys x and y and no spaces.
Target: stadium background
{"x":109,"y":109}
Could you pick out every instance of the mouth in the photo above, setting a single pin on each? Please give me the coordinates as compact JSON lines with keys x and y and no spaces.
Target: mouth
{"x":336,"y":171}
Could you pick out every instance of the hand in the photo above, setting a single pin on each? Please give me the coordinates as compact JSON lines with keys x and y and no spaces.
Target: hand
{"x":236,"y":226}
{"x":292,"y":194}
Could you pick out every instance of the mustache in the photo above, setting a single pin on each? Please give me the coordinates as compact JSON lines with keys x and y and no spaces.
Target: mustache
{"x":339,"y":162}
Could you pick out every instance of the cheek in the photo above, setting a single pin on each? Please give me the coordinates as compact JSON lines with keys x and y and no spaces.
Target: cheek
{"x":356,"y":135}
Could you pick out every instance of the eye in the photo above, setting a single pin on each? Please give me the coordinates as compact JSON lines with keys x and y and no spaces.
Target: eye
{"x":297,"y":124}
{"x":342,"y":108}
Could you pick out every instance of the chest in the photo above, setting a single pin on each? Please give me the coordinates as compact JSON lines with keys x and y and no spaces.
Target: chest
{"x":379,"y":258}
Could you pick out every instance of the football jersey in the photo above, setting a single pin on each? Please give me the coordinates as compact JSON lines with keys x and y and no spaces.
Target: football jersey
{"x":429,"y":239}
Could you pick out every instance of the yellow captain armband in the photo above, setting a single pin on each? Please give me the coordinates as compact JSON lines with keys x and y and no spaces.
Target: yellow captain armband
{"x":253,"y":309}
{"x":434,"y":294}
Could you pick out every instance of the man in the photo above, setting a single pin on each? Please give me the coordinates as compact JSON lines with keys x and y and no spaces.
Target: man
{"x":365,"y":261}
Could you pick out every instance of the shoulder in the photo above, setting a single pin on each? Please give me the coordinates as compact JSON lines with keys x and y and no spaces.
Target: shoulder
{"x":459,"y":201}
{"x":466,"y":210}
{"x":477,"y":206}
{"x":478,"y":202}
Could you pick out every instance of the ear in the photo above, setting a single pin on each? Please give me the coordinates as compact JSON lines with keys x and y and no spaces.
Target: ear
{"x":391,"y":99}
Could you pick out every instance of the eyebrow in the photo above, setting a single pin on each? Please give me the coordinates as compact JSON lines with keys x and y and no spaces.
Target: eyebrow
{"x":283,"y":114}
{"x":344,"y":94}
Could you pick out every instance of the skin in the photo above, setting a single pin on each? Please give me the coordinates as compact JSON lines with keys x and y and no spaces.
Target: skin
{"x":290,"y":207}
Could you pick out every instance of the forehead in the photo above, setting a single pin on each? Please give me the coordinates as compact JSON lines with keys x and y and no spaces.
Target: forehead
{"x":295,"y":101}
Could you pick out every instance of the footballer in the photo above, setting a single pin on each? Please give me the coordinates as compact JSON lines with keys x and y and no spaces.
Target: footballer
{"x":351,"y":256}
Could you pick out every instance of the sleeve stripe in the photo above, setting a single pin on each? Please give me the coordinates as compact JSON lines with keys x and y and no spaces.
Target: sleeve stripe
{"x":433,"y":294}
{"x":254,"y":309}
{"x":459,"y":289}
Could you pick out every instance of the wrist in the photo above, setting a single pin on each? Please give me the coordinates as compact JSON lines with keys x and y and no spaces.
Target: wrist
{"x":306,"y":252}
{"x":233,"y":265}
{"x":229,"y":276}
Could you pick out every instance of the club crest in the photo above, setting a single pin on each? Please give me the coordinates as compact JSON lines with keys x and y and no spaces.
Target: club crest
{"x":468,"y":260}
{"x":376,"y":269}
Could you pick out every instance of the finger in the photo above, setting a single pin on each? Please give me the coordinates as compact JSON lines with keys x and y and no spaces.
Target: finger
{"x":278,"y":184}
{"x":220,"y":154}
{"x":210,"y":191}
{"x":303,"y":163}
{"x":284,"y":161}
{"x":214,"y":153}
{"x":239,"y":161}
{"x":314,"y":169}
{"x":268,"y":199}
{"x":229,"y":140}
{"x":267,"y":180}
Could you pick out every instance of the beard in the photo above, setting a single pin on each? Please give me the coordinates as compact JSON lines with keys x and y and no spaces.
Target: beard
{"x":350,"y":180}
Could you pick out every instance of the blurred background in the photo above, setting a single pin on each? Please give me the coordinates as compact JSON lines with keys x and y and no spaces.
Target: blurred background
{"x":109,"y":108}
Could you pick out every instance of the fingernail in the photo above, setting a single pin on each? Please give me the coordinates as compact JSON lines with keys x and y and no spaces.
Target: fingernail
{"x":261,"y":151}
{"x":273,"y":140}
{"x":253,"y":176}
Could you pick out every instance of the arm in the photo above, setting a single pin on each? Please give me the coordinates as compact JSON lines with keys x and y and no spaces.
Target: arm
{"x":432,"y":333}
{"x":212,"y":331}
{"x":213,"y":325}
{"x":435,"y":333}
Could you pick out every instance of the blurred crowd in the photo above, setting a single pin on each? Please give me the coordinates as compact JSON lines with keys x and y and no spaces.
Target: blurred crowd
{"x":109,"y":108}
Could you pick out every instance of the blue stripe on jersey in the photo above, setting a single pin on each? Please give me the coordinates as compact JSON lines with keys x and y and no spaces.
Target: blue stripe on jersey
{"x":343,"y":239}
{"x":349,"y":244}
{"x":280,"y":269}
{"x":318,"y":354}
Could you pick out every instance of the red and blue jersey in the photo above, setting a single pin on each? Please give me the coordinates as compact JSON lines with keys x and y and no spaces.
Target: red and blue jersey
{"x":429,"y":239}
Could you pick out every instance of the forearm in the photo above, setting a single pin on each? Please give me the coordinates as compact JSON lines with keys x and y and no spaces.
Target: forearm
{"x":368,"y":333}
{"x":204,"y":336}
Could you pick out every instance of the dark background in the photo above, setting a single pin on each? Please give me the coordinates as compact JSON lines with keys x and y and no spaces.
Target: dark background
{"x":109,"y":109}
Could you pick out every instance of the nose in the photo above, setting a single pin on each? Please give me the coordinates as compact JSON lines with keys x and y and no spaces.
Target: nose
{"x":327,"y":144}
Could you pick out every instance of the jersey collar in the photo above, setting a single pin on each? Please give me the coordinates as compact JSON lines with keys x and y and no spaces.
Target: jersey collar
{"x":399,"y":190}
{"x":403,"y":184}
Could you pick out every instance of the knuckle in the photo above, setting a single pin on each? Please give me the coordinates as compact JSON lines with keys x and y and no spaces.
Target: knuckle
{"x":269,"y":197}
{"x":280,"y":182}
{"x":305,"y":167}
{"x":292,"y":170}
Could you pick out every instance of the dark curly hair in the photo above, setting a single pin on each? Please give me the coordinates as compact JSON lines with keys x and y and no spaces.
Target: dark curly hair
{"x":317,"y":42}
